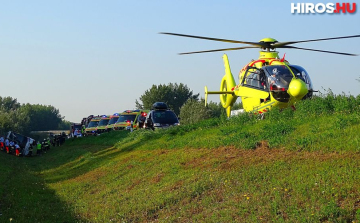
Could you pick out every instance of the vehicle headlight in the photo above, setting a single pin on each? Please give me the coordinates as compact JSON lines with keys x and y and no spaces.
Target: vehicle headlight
{"x":157,"y":124}
{"x":176,"y":123}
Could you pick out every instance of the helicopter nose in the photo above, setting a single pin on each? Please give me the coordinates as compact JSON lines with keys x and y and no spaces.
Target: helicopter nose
{"x":297,"y":88}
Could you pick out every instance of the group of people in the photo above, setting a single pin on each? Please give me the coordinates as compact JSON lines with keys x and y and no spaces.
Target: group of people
{"x":31,"y":147}
{"x":10,"y":146}
{"x":14,"y":147}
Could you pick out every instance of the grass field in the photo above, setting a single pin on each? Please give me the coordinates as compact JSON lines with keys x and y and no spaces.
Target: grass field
{"x":301,"y":166}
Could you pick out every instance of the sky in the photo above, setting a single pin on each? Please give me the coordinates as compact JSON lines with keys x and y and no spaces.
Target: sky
{"x":97,"y":57}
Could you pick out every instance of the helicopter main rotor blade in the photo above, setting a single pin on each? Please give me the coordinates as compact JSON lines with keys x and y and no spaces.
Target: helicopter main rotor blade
{"x":216,"y":39}
{"x":278,"y":45}
{"x":323,"y":51}
{"x":227,"y":49}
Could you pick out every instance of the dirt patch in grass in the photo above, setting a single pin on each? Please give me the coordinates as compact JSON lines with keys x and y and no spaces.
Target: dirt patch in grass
{"x":134,"y":184}
{"x":177,"y":185}
{"x":157,"y":178}
{"x":91,"y":176}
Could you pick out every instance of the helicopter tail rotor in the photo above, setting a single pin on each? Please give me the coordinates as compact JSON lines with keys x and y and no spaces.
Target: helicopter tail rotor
{"x":206,"y":95}
{"x":227,"y":85}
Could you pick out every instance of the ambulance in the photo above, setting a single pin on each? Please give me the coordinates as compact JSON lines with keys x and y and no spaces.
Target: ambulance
{"x":101,"y":128}
{"x":113,"y":120}
{"x":91,"y":128}
{"x":131,"y":119}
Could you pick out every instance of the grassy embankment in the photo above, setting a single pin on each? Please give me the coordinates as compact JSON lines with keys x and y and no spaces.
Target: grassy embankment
{"x":301,"y":166}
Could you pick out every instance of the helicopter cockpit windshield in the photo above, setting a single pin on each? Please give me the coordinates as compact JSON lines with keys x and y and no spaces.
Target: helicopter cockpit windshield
{"x":279,"y":77}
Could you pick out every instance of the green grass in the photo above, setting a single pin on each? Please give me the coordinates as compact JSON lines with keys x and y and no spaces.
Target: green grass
{"x":300,"y":166}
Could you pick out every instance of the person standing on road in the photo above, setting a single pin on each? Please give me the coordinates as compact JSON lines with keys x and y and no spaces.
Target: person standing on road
{"x":12,"y":144}
{"x":7,"y":144}
{"x":83,"y":130}
{"x":17,"y":149}
{"x":48,"y":143}
{"x":38,"y":146}
{"x":2,"y":143}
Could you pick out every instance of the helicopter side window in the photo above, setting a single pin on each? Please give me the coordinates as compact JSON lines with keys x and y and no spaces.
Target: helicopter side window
{"x":304,"y":76}
{"x":255,"y":78}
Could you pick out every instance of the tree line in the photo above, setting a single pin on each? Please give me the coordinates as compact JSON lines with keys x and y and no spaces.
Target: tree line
{"x":24,"y":118}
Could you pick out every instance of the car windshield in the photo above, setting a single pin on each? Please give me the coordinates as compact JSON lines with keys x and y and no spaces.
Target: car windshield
{"x":279,"y":76}
{"x":165,"y":117}
{"x":103,"y":122}
{"x":126,"y":118}
{"x":93,"y":123}
{"x":113,"y":120}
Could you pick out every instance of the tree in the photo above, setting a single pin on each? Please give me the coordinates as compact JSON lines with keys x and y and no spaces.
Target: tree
{"x":44,"y":117}
{"x":5,"y":123}
{"x":64,"y":125}
{"x":174,"y":95}
{"x":194,"y":111}
{"x":8,"y":104}
{"x":27,"y":117}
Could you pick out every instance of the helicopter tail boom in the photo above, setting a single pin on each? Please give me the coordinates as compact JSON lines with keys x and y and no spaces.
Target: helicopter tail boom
{"x":215,"y":92}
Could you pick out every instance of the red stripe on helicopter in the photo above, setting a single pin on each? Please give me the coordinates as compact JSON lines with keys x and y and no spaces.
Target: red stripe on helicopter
{"x":257,"y":61}
{"x":251,"y":64}
{"x":263,"y":111}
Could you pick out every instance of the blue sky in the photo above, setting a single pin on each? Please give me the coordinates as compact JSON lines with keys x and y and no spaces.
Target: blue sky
{"x":97,"y":57}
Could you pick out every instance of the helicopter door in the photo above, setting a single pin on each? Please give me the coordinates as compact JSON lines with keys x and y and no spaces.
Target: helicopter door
{"x":255,"y":78}
{"x":254,"y":87}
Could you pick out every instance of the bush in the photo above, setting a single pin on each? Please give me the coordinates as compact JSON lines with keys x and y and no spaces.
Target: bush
{"x":194,"y":111}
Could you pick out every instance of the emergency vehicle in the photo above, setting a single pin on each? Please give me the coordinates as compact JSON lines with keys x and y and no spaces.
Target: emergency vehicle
{"x":102,"y":124}
{"x":136,"y":118}
{"x":113,"y":120}
{"x":91,"y":128}
{"x":73,"y":127}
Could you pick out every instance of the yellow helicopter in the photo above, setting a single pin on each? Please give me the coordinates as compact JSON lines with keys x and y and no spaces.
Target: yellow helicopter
{"x":266,"y":82}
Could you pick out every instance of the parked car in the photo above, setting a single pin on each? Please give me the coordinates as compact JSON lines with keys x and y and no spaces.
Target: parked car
{"x":161,"y":117}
